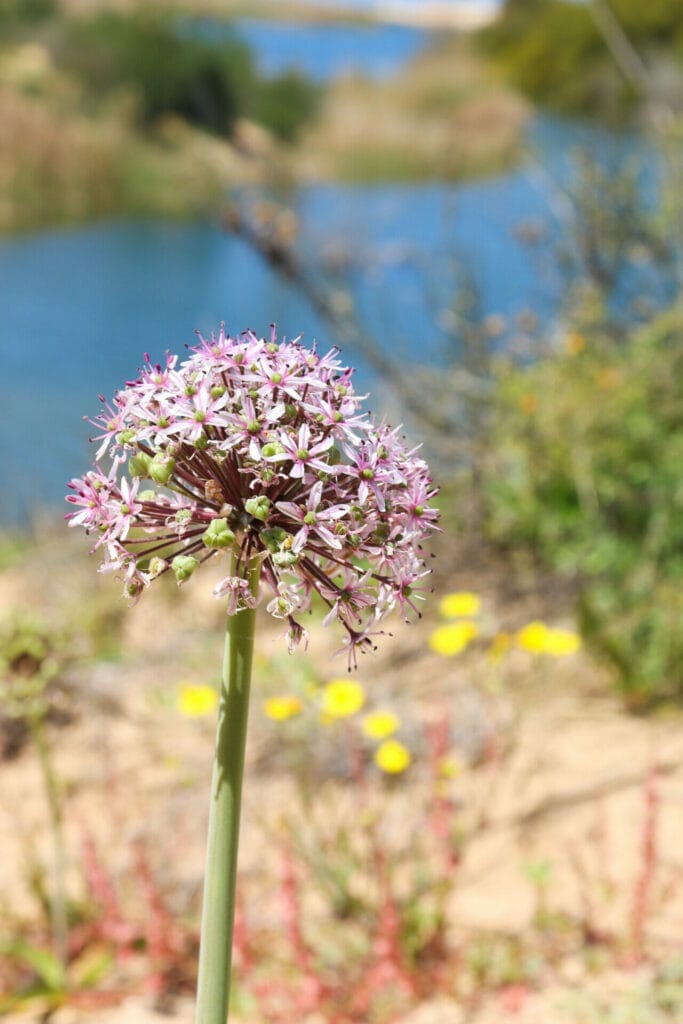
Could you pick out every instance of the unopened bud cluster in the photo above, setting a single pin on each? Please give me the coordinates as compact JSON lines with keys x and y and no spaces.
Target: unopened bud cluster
{"x":259,"y":449}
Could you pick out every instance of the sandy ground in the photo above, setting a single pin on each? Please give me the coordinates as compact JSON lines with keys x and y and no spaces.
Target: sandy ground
{"x":568,"y":791}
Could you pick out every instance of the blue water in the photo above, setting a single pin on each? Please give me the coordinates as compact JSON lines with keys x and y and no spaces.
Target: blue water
{"x":80,"y":306}
{"x":322,"y":51}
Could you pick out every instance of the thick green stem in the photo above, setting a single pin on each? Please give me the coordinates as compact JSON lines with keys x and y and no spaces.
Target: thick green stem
{"x":218,"y":912}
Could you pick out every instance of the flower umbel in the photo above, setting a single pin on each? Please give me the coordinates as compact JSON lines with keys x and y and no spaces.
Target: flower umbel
{"x":259,"y":447}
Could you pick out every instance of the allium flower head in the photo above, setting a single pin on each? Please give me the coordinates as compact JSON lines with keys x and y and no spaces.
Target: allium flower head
{"x":259,"y":449}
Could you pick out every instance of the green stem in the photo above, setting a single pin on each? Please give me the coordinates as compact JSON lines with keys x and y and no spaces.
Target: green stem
{"x":53,"y":794}
{"x":218,"y":912}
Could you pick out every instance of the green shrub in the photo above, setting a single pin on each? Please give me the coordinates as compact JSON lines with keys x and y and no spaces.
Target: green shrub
{"x":554,"y":52}
{"x":168,"y":73}
{"x":171,"y":72}
{"x":26,"y":11}
{"x":284,"y":104}
{"x":585,"y":467}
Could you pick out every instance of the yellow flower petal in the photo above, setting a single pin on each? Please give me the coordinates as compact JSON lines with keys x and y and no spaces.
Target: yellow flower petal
{"x":538,"y":638}
{"x":195,"y":700}
{"x":281,"y":708}
{"x":528,"y":404}
{"x":392,"y":757}
{"x":341,"y":698}
{"x":453,"y":639}
{"x":380,"y":724}
{"x":560,"y":642}
{"x":574,"y":343}
{"x":462,"y":604}
{"x":532,"y":637}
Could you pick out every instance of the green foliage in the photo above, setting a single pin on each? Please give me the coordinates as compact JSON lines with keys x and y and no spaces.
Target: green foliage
{"x":50,"y":983}
{"x":32,"y":656}
{"x":555,"y":53}
{"x":584,"y":467}
{"x":284,"y":104}
{"x":169,"y":72}
{"x":26,"y":12}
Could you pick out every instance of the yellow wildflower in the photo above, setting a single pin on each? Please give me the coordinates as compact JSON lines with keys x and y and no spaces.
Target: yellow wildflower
{"x":574,"y":343}
{"x":341,"y":698}
{"x":540,"y":639}
{"x":281,"y":708}
{"x":392,"y":757}
{"x":453,"y":639}
{"x":533,"y":637}
{"x":609,"y":378}
{"x":462,"y":604}
{"x":528,"y":403}
{"x":195,"y":700}
{"x":561,"y":641}
{"x":380,"y":724}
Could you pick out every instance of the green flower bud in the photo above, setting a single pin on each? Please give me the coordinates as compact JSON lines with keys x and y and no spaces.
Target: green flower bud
{"x":284,"y":559}
{"x":138,"y":465}
{"x":156,"y":566}
{"x":273,"y":539}
{"x":126,"y":436}
{"x":183,"y":566}
{"x":202,"y":442}
{"x":381,"y":533}
{"x":271,"y":448}
{"x":218,"y":534}
{"x":161,"y":468}
{"x":218,"y":390}
{"x":147,"y":495}
{"x":258,"y":507}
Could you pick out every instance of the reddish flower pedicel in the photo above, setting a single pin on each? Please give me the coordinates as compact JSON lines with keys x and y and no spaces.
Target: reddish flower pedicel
{"x":260,"y":448}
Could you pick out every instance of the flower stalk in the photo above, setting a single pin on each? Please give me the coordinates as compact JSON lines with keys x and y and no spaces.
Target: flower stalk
{"x":218,"y":912}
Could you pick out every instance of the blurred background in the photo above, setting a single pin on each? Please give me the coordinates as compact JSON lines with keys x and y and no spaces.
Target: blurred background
{"x":481,"y":202}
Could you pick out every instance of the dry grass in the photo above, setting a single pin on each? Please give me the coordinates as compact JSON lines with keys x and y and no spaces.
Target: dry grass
{"x":54,"y":169}
{"x":443,"y":116}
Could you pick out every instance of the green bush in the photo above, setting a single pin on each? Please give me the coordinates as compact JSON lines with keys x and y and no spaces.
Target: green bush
{"x":585,"y":467}
{"x":16,"y":12}
{"x":554,"y":52}
{"x":284,"y":104}
{"x":171,"y":72}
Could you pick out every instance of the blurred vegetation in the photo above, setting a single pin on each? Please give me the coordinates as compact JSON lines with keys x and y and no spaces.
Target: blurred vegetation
{"x":169,"y":71}
{"x":583,"y":468}
{"x":138,"y":113}
{"x":14,"y":13}
{"x":119,"y":112}
{"x":554,"y":51}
